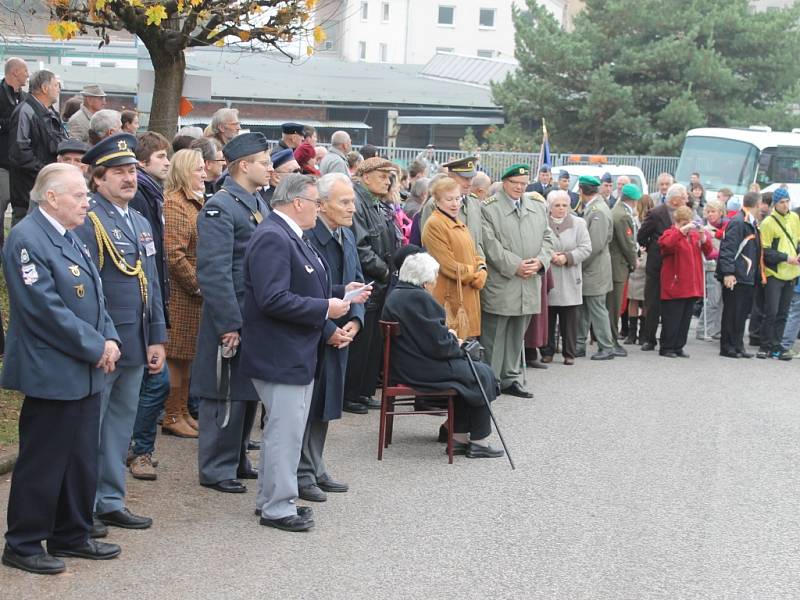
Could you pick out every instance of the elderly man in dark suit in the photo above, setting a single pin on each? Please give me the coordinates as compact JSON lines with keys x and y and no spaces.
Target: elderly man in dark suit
{"x":286,"y":308}
{"x":655,"y":223}
{"x":332,"y":238}
{"x":120,"y":242}
{"x":61,"y":342}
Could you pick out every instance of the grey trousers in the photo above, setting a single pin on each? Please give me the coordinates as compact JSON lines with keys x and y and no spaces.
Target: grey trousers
{"x":286,"y":408}
{"x":219,"y":451}
{"x":312,"y":469}
{"x":118,"y":405}
{"x":504,"y":338}
{"x":712,"y":308}
{"x":593,"y":314}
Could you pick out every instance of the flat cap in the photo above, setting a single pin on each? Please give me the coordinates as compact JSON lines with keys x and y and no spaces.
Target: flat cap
{"x":516,"y":170}
{"x":563,"y":175}
{"x":606,"y":178}
{"x":72,"y":145}
{"x":589,"y":180}
{"x":93,"y":90}
{"x":463,"y":166}
{"x":376,"y":163}
{"x":112,"y":151}
{"x":292,"y":128}
{"x":244,"y":144}
{"x":545,"y":168}
{"x":282,"y":156}
{"x":631,"y":191}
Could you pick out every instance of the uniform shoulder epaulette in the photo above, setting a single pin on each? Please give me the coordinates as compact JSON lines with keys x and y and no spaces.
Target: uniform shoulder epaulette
{"x":535,"y":196}
{"x":489,"y":200}
{"x":136,"y":211}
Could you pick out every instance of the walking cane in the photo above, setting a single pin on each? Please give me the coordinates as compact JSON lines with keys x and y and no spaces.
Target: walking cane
{"x":465,"y":347}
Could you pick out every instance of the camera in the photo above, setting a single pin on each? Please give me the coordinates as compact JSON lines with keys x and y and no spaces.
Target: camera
{"x":473,"y":349}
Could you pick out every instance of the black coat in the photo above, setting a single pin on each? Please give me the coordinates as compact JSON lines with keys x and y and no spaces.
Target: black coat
{"x":343,"y":267}
{"x":740,"y":252}
{"x":426,"y":356}
{"x":8,"y":102}
{"x":149,"y":200}
{"x":655,"y":223}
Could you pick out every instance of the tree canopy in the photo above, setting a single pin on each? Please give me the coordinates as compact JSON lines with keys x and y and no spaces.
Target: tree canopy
{"x":168,"y":27}
{"x":633,"y":77}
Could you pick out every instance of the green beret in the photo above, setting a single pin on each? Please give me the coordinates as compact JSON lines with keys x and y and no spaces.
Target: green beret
{"x":515,"y":170}
{"x":631,"y":191}
{"x":589,"y":180}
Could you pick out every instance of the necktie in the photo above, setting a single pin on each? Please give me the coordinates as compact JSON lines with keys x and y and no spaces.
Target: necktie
{"x":73,"y":241}
{"x":517,"y":205}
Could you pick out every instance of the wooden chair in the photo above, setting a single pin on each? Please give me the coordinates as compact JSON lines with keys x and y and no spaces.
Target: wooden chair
{"x":396,"y":395}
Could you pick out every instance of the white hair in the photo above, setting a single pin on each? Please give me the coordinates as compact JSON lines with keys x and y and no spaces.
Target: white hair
{"x":104,"y":120}
{"x":419,"y":269}
{"x":222,"y":116}
{"x":676,"y":189}
{"x":340,"y":139}
{"x":481,"y":180}
{"x":557,"y":195}
{"x":326,"y":182}
{"x":191,"y":131}
{"x":51,"y":178}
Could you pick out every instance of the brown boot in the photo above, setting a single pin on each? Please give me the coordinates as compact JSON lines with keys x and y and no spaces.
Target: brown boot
{"x":190,"y":420}
{"x":174,"y":423}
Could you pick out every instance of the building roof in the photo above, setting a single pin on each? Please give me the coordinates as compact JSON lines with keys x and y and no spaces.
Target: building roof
{"x":472,"y":70}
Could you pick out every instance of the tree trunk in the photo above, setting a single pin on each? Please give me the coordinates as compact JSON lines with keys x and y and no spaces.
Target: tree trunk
{"x":169,"y":67}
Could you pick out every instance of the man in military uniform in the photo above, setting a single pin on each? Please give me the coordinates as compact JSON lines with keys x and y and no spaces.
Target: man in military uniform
{"x":563,"y":185}
{"x":120,"y":242}
{"x":61,"y":342}
{"x":544,"y":185}
{"x":228,"y":400}
{"x":291,"y":136}
{"x":596,"y":271}
{"x":463,"y":171}
{"x":518,"y":243}
{"x":624,"y":252}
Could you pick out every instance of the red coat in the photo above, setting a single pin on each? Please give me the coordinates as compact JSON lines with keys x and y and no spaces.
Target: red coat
{"x":682,"y":266}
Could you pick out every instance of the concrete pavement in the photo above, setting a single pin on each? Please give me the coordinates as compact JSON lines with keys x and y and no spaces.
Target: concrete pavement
{"x":642,"y":477}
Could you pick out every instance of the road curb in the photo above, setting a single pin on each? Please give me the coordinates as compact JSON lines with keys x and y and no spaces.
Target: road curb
{"x":7,"y":463}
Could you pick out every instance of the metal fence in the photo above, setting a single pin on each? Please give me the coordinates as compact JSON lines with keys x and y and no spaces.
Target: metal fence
{"x":495,"y":162}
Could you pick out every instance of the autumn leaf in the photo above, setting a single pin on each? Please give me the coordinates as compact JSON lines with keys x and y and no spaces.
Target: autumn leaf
{"x":99,"y":5}
{"x":244,"y":36}
{"x":310,"y":4}
{"x":62,"y":30}
{"x":319,"y":35}
{"x":156,"y":14}
{"x":196,"y":3}
{"x":309,"y":50}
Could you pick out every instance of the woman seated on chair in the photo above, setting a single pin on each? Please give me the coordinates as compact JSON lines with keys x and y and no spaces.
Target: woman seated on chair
{"x":427,"y":356}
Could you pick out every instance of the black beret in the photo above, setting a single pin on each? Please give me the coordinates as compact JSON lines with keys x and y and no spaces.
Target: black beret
{"x":292,"y":128}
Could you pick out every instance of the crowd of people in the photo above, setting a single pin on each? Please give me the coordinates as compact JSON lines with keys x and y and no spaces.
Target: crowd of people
{"x":185,"y":282}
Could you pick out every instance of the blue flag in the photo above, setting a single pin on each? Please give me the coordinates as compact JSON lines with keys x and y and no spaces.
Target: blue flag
{"x":544,"y":151}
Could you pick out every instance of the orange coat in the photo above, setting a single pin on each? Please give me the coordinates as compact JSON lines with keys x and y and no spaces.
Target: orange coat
{"x":180,"y":246}
{"x":460,"y":266}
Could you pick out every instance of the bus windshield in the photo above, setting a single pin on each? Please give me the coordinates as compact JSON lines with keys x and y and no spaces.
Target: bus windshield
{"x":779,"y":165}
{"x":720,"y":163}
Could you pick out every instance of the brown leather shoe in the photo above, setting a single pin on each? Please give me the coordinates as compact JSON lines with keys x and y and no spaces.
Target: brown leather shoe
{"x":547,"y":359}
{"x":190,"y":420}
{"x":142,"y":468}
{"x":569,"y":361}
{"x":178,"y":427}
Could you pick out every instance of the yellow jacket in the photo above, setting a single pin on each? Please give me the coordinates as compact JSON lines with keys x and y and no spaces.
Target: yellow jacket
{"x":778,"y":246}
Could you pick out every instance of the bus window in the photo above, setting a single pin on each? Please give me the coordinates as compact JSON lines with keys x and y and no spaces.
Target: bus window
{"x":720,"y":162}
{"x":779,"y":165}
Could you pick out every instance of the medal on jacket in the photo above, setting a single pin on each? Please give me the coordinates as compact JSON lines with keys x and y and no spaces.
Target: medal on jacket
{"x":117,"y":233}
{"x":75,"y":270}
{"x":80,"y":290}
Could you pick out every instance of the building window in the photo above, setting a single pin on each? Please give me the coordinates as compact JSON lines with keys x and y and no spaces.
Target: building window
{"x":364,"y":11}
{"x":440,"y":50}
{"x":362,"y":50}
{"x":385,"y":12}
{"x":486,"y":18}
{"x":383,"y":50}
{"x":447,"y":15}
{"x":486,"y":53}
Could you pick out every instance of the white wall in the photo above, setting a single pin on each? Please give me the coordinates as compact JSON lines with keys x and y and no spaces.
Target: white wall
{"x":412,"y":33}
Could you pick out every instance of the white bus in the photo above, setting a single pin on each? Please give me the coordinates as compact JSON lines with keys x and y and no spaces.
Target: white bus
{"x":736,"y":158}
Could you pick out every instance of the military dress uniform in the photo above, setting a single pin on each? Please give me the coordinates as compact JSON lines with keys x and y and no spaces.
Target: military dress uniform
{"x":512,"y":232}
{"x":121,"y":245}
{"x":623,"y":251}
{"x":228,"y":400}
{"x":597,"y":278}
{"x":58,"y":329}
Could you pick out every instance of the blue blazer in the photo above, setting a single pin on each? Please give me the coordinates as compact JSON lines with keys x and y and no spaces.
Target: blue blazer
{"x":59,"y":323}
{"x":344,"y":267}
{"x":139,"y":326}
{"x":285,"y":305}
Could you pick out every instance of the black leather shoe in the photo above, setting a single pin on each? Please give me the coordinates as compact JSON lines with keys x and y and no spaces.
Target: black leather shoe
{"x":290,"y":523}
{"x":681,"y":354}
{"x":729,"y":354}
{"x":125,"y":519}
{"x":41,"y":564}
{"x":249,"y":474}
{"x":648,"y":347}
{"x":253,"y":445}
{"x":535,"y":364}
{"x":580,"y":354}
{"x":302,"y":511}
{"x":515,"y":389}
{"x":459,"y":449}
{"x":476,"y":451}
{"x":762,"y":354}
{"x":98,"y":530}
{"x":331,"y":485}
{"x":369,"y":401}
{"x":228,"y":486}
{"x":619,"y":351}
{"x":668,"y":354}
{"x":603,"y":355}
{"x":312,"y":493}
{"x":743,"y":354}
{"x":92,"y":549}
{"x":354,"y":407}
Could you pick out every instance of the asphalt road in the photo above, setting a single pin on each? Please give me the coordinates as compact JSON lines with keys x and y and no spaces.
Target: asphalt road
{"x":643,"y":477}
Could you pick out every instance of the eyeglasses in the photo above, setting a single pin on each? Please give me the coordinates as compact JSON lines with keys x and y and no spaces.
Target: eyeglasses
{"x":317,"y":201}
{"x":263,"y":163}
{"x":219,"y":160}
